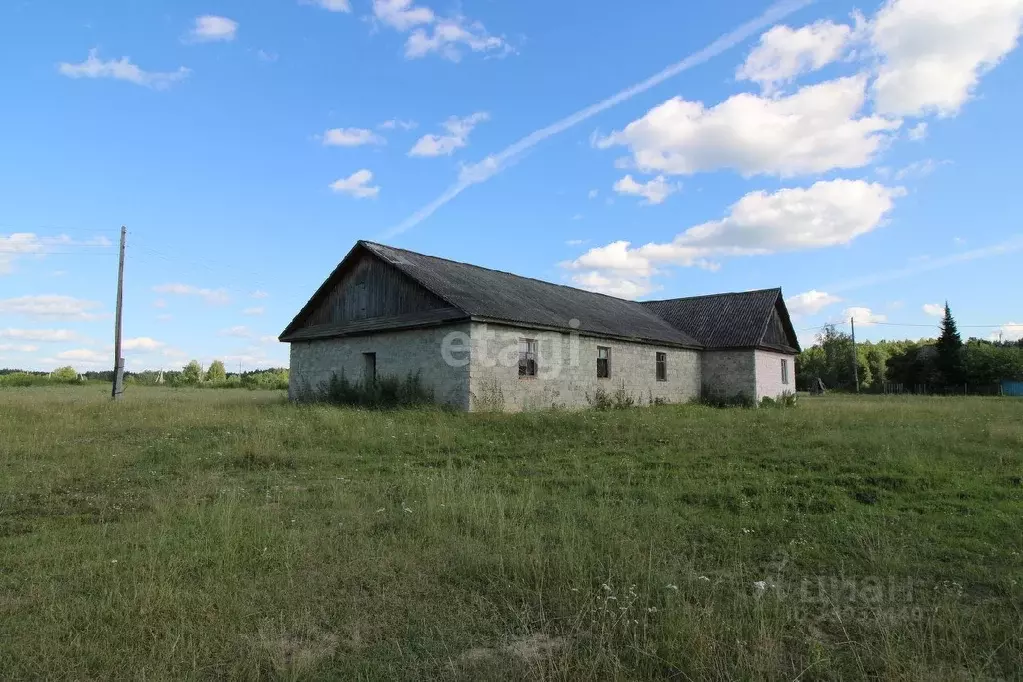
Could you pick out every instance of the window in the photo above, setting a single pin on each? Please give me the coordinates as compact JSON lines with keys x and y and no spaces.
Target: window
{"x":603,"y":362}
{"x":785,"y":371}
{"x":369,"y":368}
{"x":527,"y":357}
{"x":662,"y":366}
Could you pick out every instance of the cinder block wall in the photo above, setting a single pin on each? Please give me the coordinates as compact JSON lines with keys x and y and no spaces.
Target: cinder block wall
{"x":397,"y":354}
{"x":769,"y":377}
{"x":729,"y":373}
{"x":567,"y":370}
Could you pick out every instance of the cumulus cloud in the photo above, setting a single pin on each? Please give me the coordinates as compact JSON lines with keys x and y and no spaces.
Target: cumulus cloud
{"x":143,"y":343}
{"x":257,"y":310}
{"x":810,"y":302}
{"x":84,"y":355}
{"x":816,"y":129}
{"x":121,"y":69}
{"x":1013,"y":331}
{"x":653,"y":192}
{"x":864,"y":317}
{"x":784,"y":53}
{"x":333,"y":5}
{"x":934,"y":309}
{"x":41,"y":335}
{"x":19,"y":244}
{"x":210,"y":28}
{"x":239,"y":331}
{"x":918,"y":132}
{"x":394,"y":123}
{"x":828,"y":213}
{"x":210,"y":296}
{"x":18,"y":348}
{"x":357,"y":185}
{"x":351,"y":137}
{"x":448,"y":37}
{"x":53,"y":306}
{"x":458,"y":130}
{"x":259,"y":293}
{"x":932,"y":53}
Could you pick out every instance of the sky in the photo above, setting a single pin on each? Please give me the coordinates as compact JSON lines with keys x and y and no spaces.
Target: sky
{"x":860,"y":155}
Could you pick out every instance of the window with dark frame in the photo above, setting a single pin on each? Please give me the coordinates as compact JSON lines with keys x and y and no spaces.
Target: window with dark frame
{"x":527,"y":357}
{"x":603,"y":362}
{"x":662,"y":366}
{"x":785,"y":371}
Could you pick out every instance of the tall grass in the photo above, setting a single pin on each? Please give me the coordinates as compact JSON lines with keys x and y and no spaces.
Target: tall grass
{"x":198,"y":534}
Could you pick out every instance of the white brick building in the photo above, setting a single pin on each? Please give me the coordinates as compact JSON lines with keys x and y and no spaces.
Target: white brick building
{"x":483,"y":339}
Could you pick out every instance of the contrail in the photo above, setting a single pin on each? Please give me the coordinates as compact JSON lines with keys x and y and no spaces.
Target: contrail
{"x":494,"y":164}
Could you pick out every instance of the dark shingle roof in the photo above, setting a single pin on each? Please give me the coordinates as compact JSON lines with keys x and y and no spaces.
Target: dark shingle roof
{"x":502,"y":296}
{"x":735,"y":320}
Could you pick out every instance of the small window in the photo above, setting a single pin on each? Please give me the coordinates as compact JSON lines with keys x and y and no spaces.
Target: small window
{"x":603,"y":362}
{"x":527,"y":357}
{"x":662,"y":366}
{"x":369,"y":368}
{"x":785,"y":371}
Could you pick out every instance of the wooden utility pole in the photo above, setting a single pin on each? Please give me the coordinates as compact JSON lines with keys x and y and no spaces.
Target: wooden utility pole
{"x":855,"y":358}
{"x":118,"y":387}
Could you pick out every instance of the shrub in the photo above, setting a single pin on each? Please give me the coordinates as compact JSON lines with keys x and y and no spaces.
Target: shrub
{"x":736,"y":400}
{"x":65,"y":375}
{"x":384,"y":393}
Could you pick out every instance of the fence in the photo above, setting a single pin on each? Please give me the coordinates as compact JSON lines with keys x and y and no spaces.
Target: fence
{"x":890,"y":388}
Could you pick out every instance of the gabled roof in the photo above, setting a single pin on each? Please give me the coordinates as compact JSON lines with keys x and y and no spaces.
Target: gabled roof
{"x":733,"y":320}
{"x":504,"y":297}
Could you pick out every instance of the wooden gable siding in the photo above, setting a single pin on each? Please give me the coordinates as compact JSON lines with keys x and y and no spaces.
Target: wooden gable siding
{"x":775,"y":333}
{"x":368,"y":289}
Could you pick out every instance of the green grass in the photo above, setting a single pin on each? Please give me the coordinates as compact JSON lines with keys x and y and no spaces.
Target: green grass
{"x":202,"y":534}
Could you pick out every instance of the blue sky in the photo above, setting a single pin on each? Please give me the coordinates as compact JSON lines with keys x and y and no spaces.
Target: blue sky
{"x":860,"y":155}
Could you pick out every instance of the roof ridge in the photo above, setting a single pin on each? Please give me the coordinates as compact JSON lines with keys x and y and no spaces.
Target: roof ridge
{"x":723,"y":293}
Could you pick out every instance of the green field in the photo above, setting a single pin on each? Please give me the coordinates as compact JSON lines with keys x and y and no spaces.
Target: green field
{"x":227,"y":534}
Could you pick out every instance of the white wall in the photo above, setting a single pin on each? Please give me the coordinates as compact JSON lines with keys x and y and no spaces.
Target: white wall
{"x":729,"y":373}
{"x":769,"y":378}
{"x":567,"y":373}
{"x":397,"y":354}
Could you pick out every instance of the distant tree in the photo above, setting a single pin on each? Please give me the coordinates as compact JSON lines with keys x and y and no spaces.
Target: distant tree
{"x":191,"y":374}
{"x":950,"y":350}
{"x":216,"y":372}
{"x":65,"y":375}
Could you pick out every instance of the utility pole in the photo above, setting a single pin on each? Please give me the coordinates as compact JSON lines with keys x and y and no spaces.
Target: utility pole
{"x":855,"y":359}
{"x":118,"y":387}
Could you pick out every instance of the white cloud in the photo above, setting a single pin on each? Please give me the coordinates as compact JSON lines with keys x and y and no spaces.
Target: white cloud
{"x":1013,"y":331}
{"x":810,"y":302}
{"x":816,"y":129}
{"x":864,"y":317}
{"x":934,"y":309}
{"x":918,"y":169}
{"x":933,"y":52}
{"x":496,"y":163}
{"x":210,"y":296}
{"x":828,"y":213}
{"x":259,"y":293}
{"x":784,"y":53}
{"x":654,"y":192}
{"x":593,"y":194}
{"x":268,"y":339}
{"x":258,"y":310}
{"x":614,"y":284}
{"x":576,"y":242}
{"x":918,"y":132}
{"x":17,"y":348}
{"x":20,"y":244}
{"x":159,"y":303}
{"x":50,"y":305}
{"x":121,"y":69}
{"x":333,"y":5}
{"x":357,"y":185}
{"x":85,"y":355}
{"x":458,"y":130}
{"x":211,"y":28}
{"x":577,"y":216}
{"x":41,"y":335}
{"x":398,"y":123}
{"x":446,"y":36}
{"x":240,"y":331}
{"x":141,"y":343}
{"x":351,"y":137}
{"x":164,"y":317}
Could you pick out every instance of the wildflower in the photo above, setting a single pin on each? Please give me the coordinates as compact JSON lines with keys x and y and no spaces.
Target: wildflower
{"x":113,"y":561}
{"x":671,"y":587}
{"x":704,"y":578}
{"x":652,"y":609}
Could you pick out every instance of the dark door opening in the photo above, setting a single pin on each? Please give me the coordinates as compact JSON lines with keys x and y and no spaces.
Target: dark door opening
{"x":369,"y":370}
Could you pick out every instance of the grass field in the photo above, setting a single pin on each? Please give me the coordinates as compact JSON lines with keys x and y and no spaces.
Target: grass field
{"x":204,"y":534}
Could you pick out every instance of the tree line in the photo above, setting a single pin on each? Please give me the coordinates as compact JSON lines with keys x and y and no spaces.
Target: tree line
{"x":192,"y":374}
{"x":934,"y":365}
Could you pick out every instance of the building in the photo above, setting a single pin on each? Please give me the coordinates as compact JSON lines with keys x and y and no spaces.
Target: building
{"x":483,"y":338}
